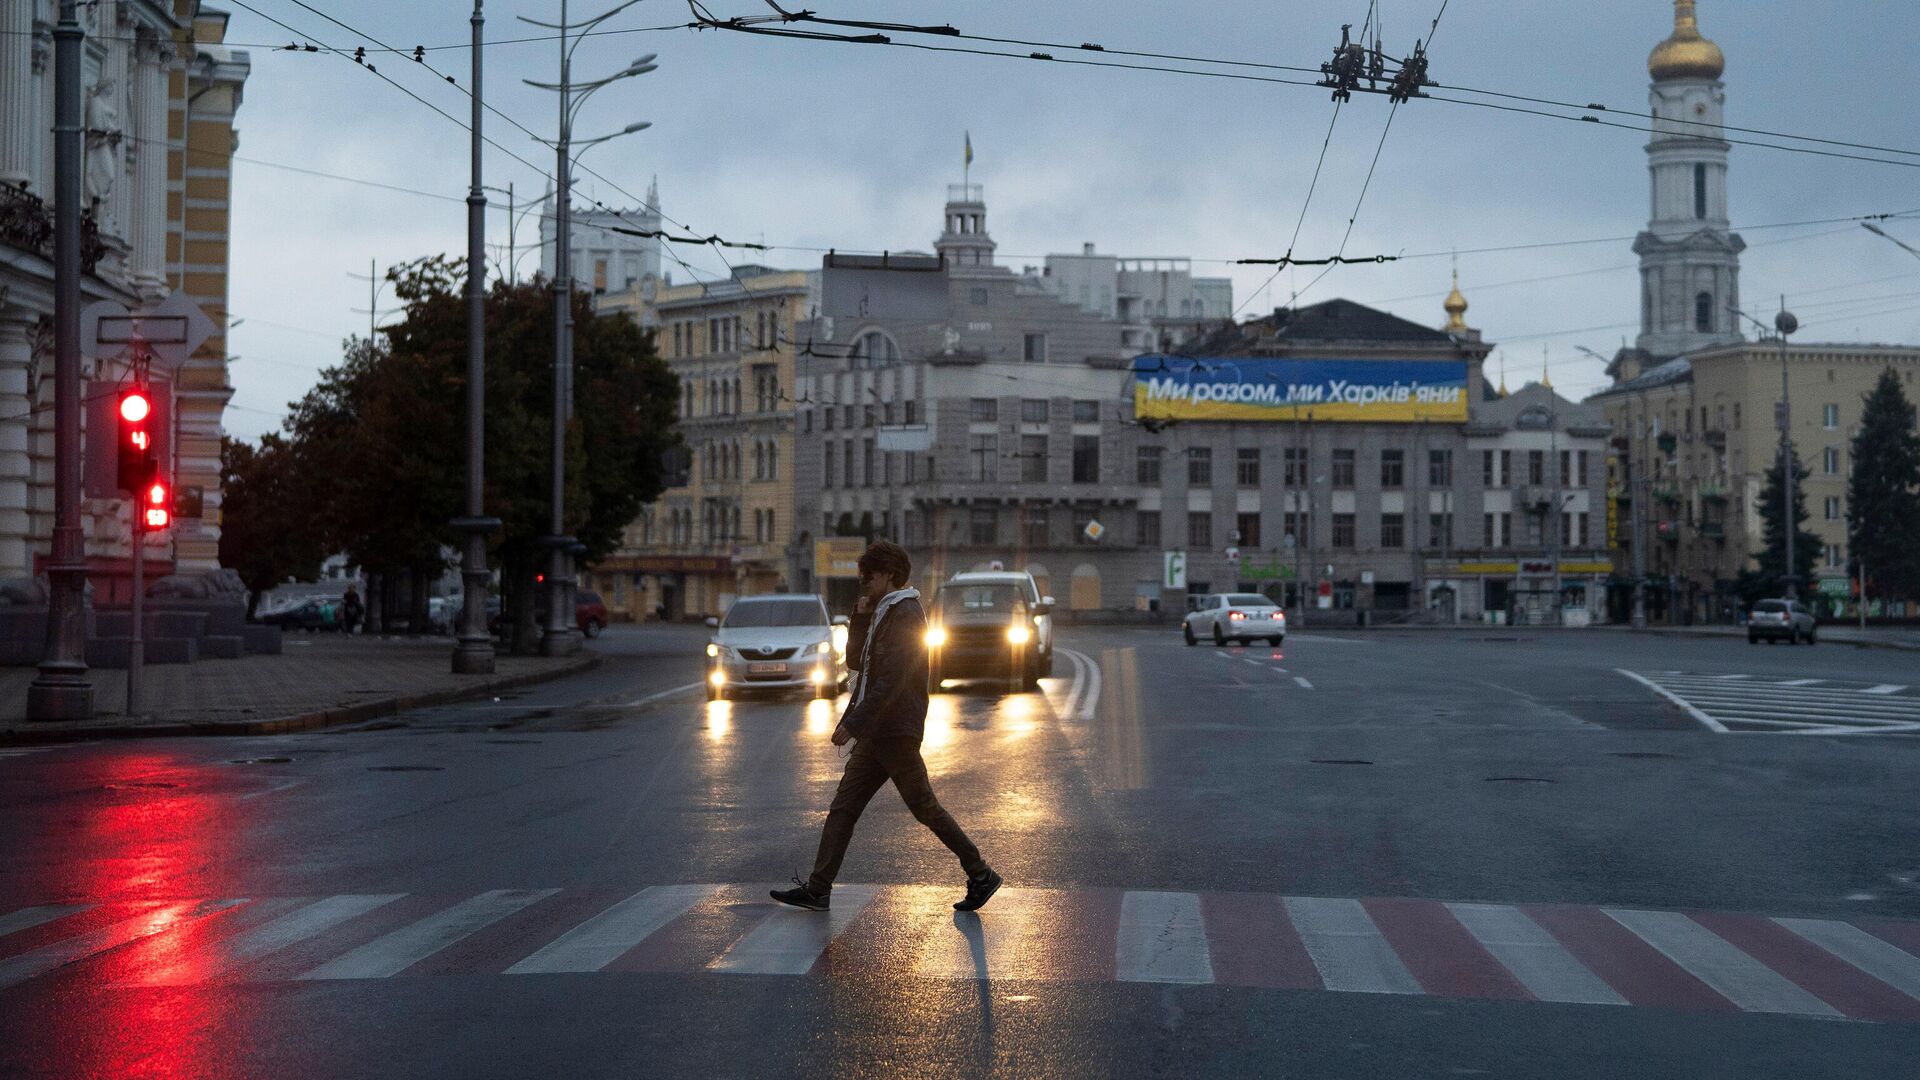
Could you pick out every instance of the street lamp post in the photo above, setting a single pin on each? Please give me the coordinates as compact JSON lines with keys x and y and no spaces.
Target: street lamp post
{"x":61,"y":690}
{"x":1787,"y":324}
{"x":559,"y":636}
{"x":473,"y":650}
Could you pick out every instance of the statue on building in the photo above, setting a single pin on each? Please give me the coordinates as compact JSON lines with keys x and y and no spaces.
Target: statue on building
{"x":103,"y":147}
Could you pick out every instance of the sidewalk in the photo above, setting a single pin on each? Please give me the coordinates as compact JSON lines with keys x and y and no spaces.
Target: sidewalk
{"x":320,"y":680}
{"x":1903,"y":638}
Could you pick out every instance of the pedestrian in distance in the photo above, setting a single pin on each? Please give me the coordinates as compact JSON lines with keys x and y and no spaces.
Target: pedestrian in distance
{"x":351,"y":611}
{"x":885,"y":720}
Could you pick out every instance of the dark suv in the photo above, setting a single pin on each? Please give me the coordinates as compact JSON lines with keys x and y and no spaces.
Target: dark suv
{"x":984,"y":629}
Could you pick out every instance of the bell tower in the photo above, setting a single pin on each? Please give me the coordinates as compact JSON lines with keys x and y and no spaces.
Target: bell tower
{"x":964,"y":240}
{"x":1689,"y":257}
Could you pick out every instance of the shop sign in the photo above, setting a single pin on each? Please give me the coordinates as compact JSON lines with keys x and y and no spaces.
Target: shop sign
{"x":682,"y":564}
{"x":838,"y":557}
{"x":1240,"y":388}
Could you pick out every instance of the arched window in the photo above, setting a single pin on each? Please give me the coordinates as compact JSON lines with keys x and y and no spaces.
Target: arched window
{"x":759,"y":461}
{"x":873,"y":349}
{"x":1699,"y":191}
{"x":1703,"y":313}
{"x":773,"y":461}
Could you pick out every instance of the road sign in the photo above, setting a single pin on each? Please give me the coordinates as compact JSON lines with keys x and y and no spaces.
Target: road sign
{"x":1173,"y":574}
{"x":171,"y":330}
{"x":1095,"y":531}
{"x":1233,"y":555}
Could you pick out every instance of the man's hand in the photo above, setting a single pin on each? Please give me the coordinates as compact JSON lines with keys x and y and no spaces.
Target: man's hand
{"x":841,"y":736}
{"x":862,"y":605}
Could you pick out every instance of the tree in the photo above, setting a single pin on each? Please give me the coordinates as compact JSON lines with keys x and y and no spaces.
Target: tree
{"x":267,"y":528}
{"x":1772,"y":558}
{"x":1883,"y":491}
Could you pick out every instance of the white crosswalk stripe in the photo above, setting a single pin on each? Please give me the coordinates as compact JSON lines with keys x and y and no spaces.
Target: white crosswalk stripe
{"x":1744,"y":704}
{"x":1162,"y":939}
{"x":1736,"y":976}
{"x":1541,"y":963}
{"x":155,"y":920}
{"x":600,"y":940}
{"x":790,"y":939}
{"x":407,"y":946}
{"x":1347,"y":948}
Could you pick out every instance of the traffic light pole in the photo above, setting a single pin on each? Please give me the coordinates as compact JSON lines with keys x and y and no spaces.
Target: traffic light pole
{"x":61,"y":690}
{"x":136,"y":639}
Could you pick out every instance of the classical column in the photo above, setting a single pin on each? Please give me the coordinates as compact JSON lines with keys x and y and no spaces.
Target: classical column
{"x":19,"y":127}
{"x":16,"y":466}
{"x":148,"y":233}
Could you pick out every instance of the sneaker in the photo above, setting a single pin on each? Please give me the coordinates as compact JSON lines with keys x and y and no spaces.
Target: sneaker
{"x":803,"y":896}
{"x":979,"y":891}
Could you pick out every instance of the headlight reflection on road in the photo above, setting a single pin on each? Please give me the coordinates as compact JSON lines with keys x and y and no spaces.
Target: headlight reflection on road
{"x":941,"y":711}
{"x":719,"y":720}
{"x":819,"y":717}
{"x":1017,"y":713}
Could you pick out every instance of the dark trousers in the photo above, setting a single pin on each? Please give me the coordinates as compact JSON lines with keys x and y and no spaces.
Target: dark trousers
{"x":872,"y":764}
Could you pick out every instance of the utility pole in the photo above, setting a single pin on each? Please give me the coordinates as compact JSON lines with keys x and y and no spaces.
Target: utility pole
{"x":374,"y":282}
{"x":1787,"y":324}
{"x":61,"y":690}
{"x":473,"y":650}
{"x":559,"y":636}
{"x":1637,"y":486}
{"x":512,"y":224}
{"x":1555,"y":538}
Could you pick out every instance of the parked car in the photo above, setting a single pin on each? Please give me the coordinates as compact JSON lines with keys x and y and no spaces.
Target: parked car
{"x":313,"y":613}
{"x":1039,"y":609}
{"x":1781,"y":620}
{"x":1228,"y":617}
{"x":780,"y":641}
{"x":988,"y":625}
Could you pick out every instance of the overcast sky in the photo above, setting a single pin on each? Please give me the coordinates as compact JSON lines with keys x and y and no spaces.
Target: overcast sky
{"x":830,"y":145}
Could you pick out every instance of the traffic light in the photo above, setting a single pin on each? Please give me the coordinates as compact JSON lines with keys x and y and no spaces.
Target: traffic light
{"x":156,"y":502}
{"x":136,"y":457}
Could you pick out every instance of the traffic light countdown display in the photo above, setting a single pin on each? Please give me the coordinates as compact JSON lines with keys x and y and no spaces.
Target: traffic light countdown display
{"x":141,"y":473}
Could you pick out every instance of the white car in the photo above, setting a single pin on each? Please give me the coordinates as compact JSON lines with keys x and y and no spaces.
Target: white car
{"x":1228,"y":617}
{"x":781,"y":641}
{"x":1040,"y":608}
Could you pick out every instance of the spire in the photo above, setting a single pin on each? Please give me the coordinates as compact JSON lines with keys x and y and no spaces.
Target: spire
{"x":1456,"y":306}
{"x":1546,"y":380}
{"x":1503,"y":373}
{"x":653,"y":193}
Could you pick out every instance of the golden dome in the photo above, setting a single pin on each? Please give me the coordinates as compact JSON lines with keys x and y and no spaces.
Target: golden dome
{"x":1685,"y":54}
{"x":1456,"y":306}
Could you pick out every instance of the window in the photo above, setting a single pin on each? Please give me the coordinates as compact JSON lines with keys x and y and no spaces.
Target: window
{"x":1033,"y":410}
{"x":1248,"y":526}
{"x":1343,"y":530}
{"x":911,"y":409}
{"x":1736,"y":416}
{"x":1833,"y":508}
{"x":1200,"y":466}
{"x":1082,"y":518}
{"x":1566,"y":468}
{"x":1830,"y":417}
{"x":1440,"y":468}
{"x":1293,"y":466}
{"x":1086,"y":412}
{"x":983,"y":410}
{"x":766,"y":388}
{"x":872,"y":349}
{"x":1246,"y":466}
{"x":1035,"y":351}
{"x":867,"y":472}
{"x":1033,"y":459}
{"x":982,"y":448}
{"x":1393,"y":530}
{"x":1343,"y":468}
{"x":1199,"y":530}
{"x":1703,"y":313}
{"x":1086,"y":459}
{"x":826,"y":418}
{"x":977,"y":297}
{"x":1146,"y":465}
{"x":983,"y":526}
{"x":773,"y":461}
{"x":1033,"y":526}
{"x":1146,"y":528}
{"x":1581,"y":521}
{"x":1830,"y":461}
{"x":1294,"y":524}
{"x":1536,"y":466}
{"x":1439,"y":530}
{"x":1699,"y":191}
{"x":1393,"y":468}
{"x":846,"y":464}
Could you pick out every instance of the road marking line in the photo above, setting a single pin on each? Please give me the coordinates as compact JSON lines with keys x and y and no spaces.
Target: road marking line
{"x":1162,"y":939}
{"x":1890,"y":964}
{"x":395,"y":952}
{"x":1715,"y":961}
{"x":1707,"y":721}
{"x":290,"y":929}
{"x":28,"y":918}
{"x":1535,"y":957}
{"x":1090,"y":692}
{"x":651,"y":698}
{"x":1803,"y":682}
{"x":789,"y":941}
{"x":1730,"y":678}
{"x":604,"y":938}
{"x":1304,"y":684}
{"x":155,"y":920}
{"x":1347,"y":948}
{"x":1884,"y":688}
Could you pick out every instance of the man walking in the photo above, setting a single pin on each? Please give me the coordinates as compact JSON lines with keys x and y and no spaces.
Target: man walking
{"x":886,"y":645}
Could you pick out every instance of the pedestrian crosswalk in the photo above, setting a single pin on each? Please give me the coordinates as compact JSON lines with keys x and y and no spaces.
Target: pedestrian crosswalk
{"x":1862,"y":969}
{"x":1746,"y":704}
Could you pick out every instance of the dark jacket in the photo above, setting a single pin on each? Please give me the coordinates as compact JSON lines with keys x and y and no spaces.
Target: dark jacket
{"x":895,"y":702}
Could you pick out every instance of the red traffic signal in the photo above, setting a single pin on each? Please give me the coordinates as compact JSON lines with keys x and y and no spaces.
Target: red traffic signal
{"x":156,"y":510}
{"x":135,"y":456}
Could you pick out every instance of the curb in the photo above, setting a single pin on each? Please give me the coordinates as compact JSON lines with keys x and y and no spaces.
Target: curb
{"x":1896,"y":646}
{"x":297,"y":722}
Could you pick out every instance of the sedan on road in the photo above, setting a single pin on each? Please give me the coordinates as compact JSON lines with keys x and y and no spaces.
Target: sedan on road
{"x":1235,"y":617}
{"x":781,"y":641}
{"x":1780,"y":620}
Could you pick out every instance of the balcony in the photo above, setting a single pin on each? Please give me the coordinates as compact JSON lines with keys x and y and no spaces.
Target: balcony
{"x":1713,"y":530}
{"x":1716,"y":438}
{"x":27,"y":223}
{"x":1714,"y":491}
{"x":1667,"y":493}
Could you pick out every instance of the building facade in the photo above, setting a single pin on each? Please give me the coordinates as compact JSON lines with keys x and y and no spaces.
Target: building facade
{"x":1158,"y":301}
{"x":725,"y":525}
{"x":606,"y":261}
{"x":160,"y":92}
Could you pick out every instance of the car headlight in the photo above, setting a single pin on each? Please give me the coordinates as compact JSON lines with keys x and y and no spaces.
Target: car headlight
{"x":936,"y":636}
{"x":824,"y":648}
{"x":712,"y":649}
{"x":1019,"y":635}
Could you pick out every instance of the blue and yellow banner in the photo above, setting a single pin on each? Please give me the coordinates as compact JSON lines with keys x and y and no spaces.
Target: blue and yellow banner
{"x":1239,"y":388}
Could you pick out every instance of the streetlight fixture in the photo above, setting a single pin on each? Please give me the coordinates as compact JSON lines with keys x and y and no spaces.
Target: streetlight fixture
{"x":1784,"y":323}
{"x":473,"y":649}
{"x":560,"y":637}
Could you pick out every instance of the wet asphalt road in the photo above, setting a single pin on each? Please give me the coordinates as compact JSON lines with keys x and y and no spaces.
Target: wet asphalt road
{"x":1149,"y":808}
